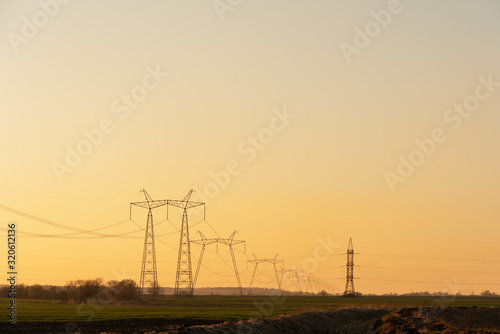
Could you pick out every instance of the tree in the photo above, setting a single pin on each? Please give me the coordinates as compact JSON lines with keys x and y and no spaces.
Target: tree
{"x":126,"y":289}
{"x":35,"y":291}
{"x":21,"y":291}
{"x":83,"y":290}
{"x":488,"y":293}
{"x":323,"y":293}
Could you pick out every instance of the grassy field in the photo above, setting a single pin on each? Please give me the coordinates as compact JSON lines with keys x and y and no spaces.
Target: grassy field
{"x":220,"y":307}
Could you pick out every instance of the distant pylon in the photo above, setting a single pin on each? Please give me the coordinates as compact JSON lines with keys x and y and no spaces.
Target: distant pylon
{"x":349,"y":285}
{"x":149,"y":275}
{"x":309,"y":283}
{"x":295,"y":274}
{"x":184,"y":274}
{"x":257,"y":261}
{"x":230,"y":242}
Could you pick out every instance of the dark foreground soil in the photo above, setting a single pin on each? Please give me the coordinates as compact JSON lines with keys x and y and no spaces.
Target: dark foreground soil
{"x":122,"y":326}
{"x":345,"y":321}
{"x":445,"y":321}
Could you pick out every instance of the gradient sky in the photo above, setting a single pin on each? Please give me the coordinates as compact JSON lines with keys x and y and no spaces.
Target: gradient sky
{"x":321,"y":176}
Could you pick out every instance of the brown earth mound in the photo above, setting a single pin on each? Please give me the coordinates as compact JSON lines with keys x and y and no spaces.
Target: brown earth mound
{"x":349,"y":320}
{"x":122,"y":326}
{"x":341,"y":321}
{"x":459,"y":320}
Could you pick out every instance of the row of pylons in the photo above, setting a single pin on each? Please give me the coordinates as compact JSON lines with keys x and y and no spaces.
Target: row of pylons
{"x":149,"y":276}
{"x":184,"y":282}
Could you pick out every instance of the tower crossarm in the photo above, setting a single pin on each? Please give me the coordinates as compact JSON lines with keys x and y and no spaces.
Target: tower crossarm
{"x":183,"y":204}
{"x":149,"y":203}
{"x":274,"y":260}
{"x":229,"y":242}
{"x":204,"y":241}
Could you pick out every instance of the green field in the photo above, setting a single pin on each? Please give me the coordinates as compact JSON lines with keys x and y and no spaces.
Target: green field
{"x":221,"y":307}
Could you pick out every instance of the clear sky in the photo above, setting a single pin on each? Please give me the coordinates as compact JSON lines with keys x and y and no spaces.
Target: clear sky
{"x":319,"y":119}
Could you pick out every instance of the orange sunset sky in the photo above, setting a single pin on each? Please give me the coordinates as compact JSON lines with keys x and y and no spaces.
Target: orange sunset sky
{"x":297,"y":122}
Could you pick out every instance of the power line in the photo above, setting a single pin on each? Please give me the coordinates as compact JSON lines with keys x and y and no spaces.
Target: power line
{"x":81,"y":259}
{"x":433,"y":270}
{"x":59,"y":270}
{"x":103,"y":260}
{"x":430,"y":282}
{"x":69,"y":173}
{"x":429,"y":258}
{"x":78,"y":230}
{"x":210,"y":225}
{"x":62,"y":198}
{"x":48,"y":222}
{"x":70,"y":235}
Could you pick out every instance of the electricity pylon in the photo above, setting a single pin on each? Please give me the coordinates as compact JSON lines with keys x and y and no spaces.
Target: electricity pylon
{"x":230,"y":242}
{"x":349,"y":285}
{"x":315,"y":284}
{"x":309,"y":283}
{"x":184,"y":275}
{"x":257,"y":261}
{"x":149,"y":275}
{"x":295,"y":273}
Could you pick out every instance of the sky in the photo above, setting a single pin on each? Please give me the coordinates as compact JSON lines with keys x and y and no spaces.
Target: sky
{"x":300,"y":124}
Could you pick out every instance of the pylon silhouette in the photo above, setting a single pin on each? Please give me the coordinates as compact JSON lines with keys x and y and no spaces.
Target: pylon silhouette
{"x":149,"y":276}
{"x":349,"y":285}
{"x":184,"y":274}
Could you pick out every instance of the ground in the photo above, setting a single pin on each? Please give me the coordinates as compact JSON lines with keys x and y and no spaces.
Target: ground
{"x":262,"y":314}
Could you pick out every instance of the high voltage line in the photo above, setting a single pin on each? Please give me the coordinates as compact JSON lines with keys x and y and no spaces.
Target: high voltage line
{"x":64,"y":198}
{"x":78,"y":233}
{"x":113,"y":260}
{"x":242,"y":261}
{"x":431,"y":282}
{"x":48,"y":222}
{"x":69,"y":173}
{"x":94,"y":231}
{"x":429,"y":258}
{"x":436,"y":271}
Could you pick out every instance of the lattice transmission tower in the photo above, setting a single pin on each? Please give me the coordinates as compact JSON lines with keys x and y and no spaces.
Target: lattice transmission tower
{"x":349,"y":285}
{"x":184,"y":274}
{"x":149,"y":276}
{"x":229,"y":242}
{"x":257,"y":261}
{"x":289,"y":273}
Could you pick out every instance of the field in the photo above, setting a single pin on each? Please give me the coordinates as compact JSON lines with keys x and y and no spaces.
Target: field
{"x":207,"y":310}
{"x":219,"y":307}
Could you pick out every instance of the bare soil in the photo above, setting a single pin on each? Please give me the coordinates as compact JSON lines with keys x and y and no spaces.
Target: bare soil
{"x":460,"y":320}
{"x":122,"y":326}
{"x":371,"y":320}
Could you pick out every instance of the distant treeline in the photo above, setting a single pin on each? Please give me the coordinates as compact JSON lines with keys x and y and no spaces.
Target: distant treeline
{"x":485,"y":293}
{"x":79,"y":291}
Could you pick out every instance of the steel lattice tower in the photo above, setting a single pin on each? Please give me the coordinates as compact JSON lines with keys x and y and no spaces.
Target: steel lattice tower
{"x":149,"y":275}
{"x":349,"y":285}
{"x":295,"y":274}
{"x":229,"y":242}
{"x":184,"y":275}
{"x":257,"y":261}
